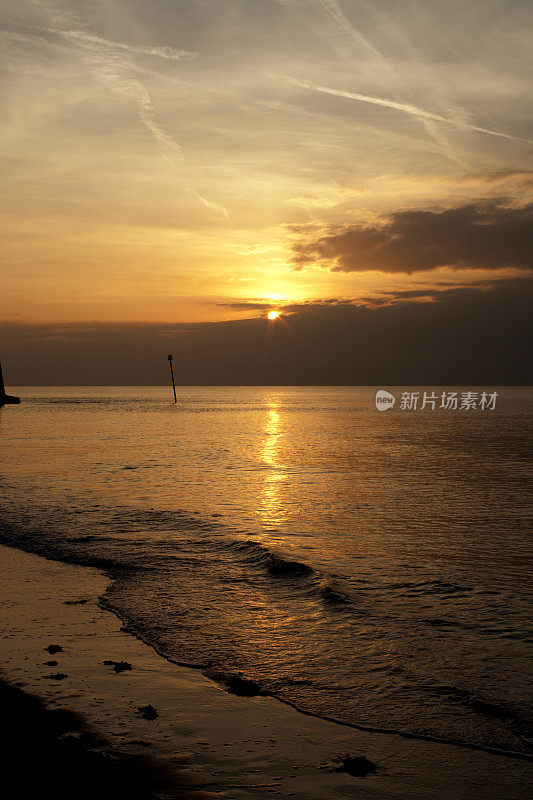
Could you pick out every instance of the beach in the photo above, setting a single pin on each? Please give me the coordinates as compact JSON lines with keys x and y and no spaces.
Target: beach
{"x":210,"y":740}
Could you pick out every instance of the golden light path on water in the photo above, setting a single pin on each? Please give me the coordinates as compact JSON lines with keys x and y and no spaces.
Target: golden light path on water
{"x":272,"y":510}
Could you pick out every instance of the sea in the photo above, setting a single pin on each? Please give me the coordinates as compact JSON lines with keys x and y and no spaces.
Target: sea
{"x":370,"y":567}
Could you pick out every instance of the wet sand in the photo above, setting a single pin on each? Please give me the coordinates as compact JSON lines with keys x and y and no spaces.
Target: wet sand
{"x":204,"y":740}
{"x":49,"y":750}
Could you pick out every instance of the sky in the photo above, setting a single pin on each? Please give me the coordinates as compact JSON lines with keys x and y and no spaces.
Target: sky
{"x":201,"y":162}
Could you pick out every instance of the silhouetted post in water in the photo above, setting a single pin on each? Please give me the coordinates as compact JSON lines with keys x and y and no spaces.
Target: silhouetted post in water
{"x":6,"y":399}
{"x":172,"y":376}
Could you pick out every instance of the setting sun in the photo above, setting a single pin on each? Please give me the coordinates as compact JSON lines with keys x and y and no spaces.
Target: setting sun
{"x":273,"y":314}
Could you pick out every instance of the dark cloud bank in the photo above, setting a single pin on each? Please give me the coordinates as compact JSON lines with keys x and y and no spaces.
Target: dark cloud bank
{"x":489,"y":235}
{"x":463,"y":336}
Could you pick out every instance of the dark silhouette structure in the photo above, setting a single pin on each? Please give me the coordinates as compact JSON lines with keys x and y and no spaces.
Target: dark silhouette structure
{"x":6,"y":399}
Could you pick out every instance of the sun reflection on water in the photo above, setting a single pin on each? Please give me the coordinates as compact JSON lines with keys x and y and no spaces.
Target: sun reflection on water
{"x":272,"y":510}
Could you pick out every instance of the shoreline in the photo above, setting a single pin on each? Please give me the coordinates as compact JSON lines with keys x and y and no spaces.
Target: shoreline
{"x":404,"y":734}
{"x":236,"y":746}
{"x":116,"y":571}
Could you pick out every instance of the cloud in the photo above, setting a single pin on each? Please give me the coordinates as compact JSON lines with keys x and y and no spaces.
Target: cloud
{"x":290,"y":308}
{"x":467,"y":336}
{"x":487,"y":235}
{"x":246,"y":305}
{"x":522,"y":178}
{"x":438,"y":292}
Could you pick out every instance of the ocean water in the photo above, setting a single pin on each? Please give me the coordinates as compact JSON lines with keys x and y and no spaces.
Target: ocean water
{"x":374,"y":568}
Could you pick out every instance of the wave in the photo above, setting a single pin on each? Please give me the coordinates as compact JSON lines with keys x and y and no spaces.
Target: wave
{"x":274,"y":563}
{"x":113,"y":553}
{"x":332,"y":594}
{"x":319,"y":584}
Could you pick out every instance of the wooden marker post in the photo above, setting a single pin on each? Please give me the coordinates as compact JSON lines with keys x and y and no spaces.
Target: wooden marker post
{"x":172,"y":376}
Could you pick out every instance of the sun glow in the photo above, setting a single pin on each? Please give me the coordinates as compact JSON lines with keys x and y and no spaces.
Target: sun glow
{"x":273,"y":314}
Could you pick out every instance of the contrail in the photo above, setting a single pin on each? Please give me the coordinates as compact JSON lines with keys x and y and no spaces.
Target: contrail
{"x":406,"y":108}
{"x":377,"y":61}
{"x":161,"y":52}
{"x":333,"y":8}
{"x":117,"y":70}
{"x":109,"y":60}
